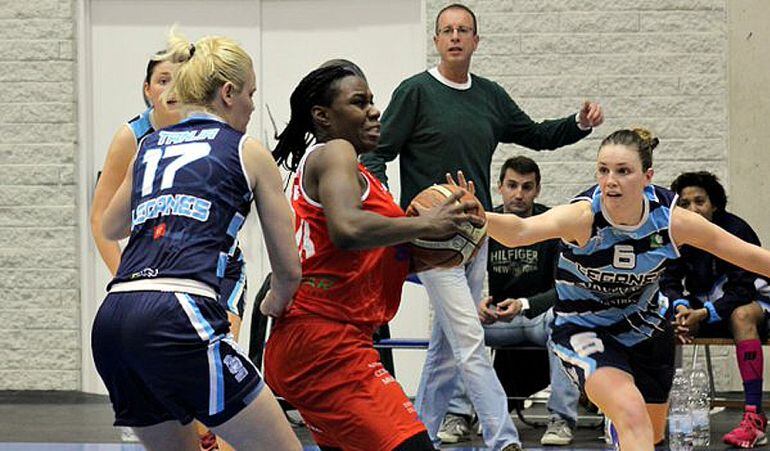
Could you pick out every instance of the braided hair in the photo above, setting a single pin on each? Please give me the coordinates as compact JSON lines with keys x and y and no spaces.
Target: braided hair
{"x":318,"y":88}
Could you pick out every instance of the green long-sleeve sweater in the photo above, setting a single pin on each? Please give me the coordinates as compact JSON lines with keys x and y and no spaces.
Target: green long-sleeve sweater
{"x":437,"y":129}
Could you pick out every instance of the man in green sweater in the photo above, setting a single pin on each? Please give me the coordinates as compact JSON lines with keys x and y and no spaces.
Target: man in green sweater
{"x":441,"y":121}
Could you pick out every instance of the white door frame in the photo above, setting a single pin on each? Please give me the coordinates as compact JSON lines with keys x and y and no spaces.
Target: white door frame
{"x":90,"y":261}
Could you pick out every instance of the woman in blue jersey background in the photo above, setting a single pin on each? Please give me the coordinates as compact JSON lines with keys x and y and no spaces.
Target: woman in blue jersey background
{"x":161,"y":340}
{"x":159,"y":114}
{"x":615,"y":339}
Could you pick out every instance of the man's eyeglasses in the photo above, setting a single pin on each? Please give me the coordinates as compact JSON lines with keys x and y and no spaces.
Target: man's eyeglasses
{"x":450,"y":31}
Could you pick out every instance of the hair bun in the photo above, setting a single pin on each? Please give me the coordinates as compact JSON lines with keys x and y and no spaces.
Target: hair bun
{"x":647,"y":137}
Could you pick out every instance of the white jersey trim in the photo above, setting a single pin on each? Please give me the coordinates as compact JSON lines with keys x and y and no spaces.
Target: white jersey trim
{"x":166,"y":284}
{"x":243,"y":164}
{"x":301,"y":171}
{"x":627,"y":228}
{"x":674,"y":203}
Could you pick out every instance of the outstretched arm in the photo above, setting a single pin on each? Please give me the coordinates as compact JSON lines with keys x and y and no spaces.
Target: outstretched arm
{"x":571,"y":223}
{"x":691,"y":228}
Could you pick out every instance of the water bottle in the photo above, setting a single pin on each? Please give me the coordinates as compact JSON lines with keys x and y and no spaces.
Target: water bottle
{"x":700,"y":406}
{"x":679,"y":417}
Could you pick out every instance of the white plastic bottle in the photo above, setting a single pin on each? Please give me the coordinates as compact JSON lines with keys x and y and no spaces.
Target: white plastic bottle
{"x":700,"y":406}
{"x":679,"y":417}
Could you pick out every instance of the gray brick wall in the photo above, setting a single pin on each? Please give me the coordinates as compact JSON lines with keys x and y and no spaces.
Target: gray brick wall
{"x":660,"y":64}
{"x":40,"y":301}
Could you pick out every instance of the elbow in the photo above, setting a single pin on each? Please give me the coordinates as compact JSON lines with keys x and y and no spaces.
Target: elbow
{"x":287,"y":280}
{"x":96,"y":222}
{"x":294,"y":276}
{"x":347,"y":238}
{"x":113,"y":232}
{"x":109,"y":233}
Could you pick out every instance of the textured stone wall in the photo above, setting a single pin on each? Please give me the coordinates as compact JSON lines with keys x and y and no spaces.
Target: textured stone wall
{"x":658,"y":64}
{"x":39,"y":297}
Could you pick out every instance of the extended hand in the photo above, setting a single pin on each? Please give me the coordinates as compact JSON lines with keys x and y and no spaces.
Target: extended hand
{"x":467,"y":185}
{"x":591,"y":115}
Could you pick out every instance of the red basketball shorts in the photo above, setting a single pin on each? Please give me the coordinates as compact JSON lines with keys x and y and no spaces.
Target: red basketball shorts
{"x":332,"y":374}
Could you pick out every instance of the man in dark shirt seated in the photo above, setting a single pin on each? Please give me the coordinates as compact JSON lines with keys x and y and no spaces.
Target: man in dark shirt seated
{"x":715,"y":298}
{"x":518,"y":310}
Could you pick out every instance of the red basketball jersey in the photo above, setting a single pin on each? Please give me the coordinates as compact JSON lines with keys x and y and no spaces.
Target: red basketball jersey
{"x":359,"y":287}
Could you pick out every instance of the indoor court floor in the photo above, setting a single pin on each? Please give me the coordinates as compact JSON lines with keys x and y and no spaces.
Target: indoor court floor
{"x":74,"y":421}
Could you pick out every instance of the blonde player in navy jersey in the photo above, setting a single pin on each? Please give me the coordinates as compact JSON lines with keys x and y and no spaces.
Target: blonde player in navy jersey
{"x":615,"y":339}
{"x":160,"y":113}
{"x":161,"y":340}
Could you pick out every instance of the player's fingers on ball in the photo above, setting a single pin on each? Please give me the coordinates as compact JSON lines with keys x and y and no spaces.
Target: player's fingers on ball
{"x":477,"y":221}
{"x":461,"y":179}
{"x":454,"y":199}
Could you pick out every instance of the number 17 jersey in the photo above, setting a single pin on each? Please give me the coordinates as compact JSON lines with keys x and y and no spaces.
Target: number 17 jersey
{"x":189,"y":198}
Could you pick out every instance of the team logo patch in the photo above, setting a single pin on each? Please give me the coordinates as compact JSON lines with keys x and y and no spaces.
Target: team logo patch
{"x":656,"y":241}
{"x":159,"y":231}
{"x":318,"y":283}
{"x":236,"y":368}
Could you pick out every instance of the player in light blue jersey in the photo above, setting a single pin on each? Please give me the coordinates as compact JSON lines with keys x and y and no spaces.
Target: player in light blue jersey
{"x":611,"y":333}
{"x":161,"y":340}
{"x":159,"y":114}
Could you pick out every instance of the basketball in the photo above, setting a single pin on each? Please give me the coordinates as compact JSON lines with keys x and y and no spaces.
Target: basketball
{"x":453,"y":250}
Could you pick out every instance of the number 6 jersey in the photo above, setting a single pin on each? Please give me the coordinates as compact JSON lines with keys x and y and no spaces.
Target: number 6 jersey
{"x":612,"y":282}
{"x":189,"y":197}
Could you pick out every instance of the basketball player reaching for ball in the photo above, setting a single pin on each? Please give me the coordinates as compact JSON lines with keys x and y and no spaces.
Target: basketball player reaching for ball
{"x":159,"y":114}
{"x":320,"y":355}
{"x":161,"y":341}
{"x":614,"y":338}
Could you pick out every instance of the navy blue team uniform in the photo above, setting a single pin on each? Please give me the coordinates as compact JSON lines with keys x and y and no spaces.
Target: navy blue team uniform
{"x":608,"y":312}
{"x":161,"y":339}
{"x":700,"y":279}
{"x":233,"y":287}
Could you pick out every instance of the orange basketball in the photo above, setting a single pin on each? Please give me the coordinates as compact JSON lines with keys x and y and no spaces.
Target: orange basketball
{"x":453,"y":250}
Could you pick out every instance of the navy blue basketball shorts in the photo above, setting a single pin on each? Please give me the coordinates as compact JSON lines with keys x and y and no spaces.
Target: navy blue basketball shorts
{"x":651,"y":363}
{"x":232,"y":293}
{"x":169,"y":356}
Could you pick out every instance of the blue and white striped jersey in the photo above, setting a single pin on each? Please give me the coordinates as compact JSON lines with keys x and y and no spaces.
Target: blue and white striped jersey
{"x":612,"y":281}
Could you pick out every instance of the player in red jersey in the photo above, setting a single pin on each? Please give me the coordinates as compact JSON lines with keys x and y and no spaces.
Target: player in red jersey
{"x":320,"y":356}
